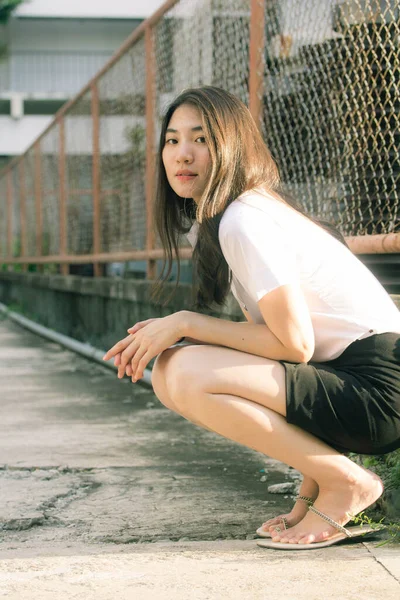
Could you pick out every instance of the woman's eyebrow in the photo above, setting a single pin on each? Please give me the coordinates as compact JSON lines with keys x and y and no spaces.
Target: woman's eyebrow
{"x":198,"y":128}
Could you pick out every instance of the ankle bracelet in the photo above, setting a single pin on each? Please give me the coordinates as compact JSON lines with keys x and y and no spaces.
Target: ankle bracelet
{"x":309,"y":501}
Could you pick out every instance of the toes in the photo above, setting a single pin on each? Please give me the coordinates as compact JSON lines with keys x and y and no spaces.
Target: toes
{"x":279,"y":536}
{"x":294,"y":540}
{"x":299,"y":538}
{"x":277,"y":530}
{"x":268,"y":525}
{"x":306,"y":539}
{"x":276,"y":536}
{"x":310,"y":538}
{"x":273,"y":531}
{"x":288,"y":537}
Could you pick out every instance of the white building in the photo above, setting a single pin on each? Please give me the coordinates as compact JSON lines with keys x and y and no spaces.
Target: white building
{"x":53,"y":48}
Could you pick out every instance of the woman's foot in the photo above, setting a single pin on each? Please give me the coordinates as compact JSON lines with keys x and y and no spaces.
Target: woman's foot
{"x":298,"y":512}
{"x":340,"y":502}
{"x":308,"y":489}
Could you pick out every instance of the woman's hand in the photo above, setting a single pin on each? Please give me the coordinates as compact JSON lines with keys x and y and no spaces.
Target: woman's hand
{"x":146,"y":340}
{"x":117,"y":357}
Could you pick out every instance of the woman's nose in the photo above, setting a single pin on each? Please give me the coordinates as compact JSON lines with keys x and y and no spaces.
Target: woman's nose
{"x":184,"y":153}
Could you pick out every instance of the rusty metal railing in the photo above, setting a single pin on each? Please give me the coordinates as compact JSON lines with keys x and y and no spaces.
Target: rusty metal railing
{"x":321,"y":78}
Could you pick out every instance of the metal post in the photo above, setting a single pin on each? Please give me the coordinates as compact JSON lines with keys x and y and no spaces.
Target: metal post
{"x":38,"y":202}
{"x":9,"y":213}
{"x":150,"y":117}
{"x":98,"y":268}
{"x":22,"y":208}
{"x":256,"y":76}
{"x":64,"y":268}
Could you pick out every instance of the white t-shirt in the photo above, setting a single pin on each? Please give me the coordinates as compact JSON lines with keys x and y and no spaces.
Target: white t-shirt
{"x":266,"y":244}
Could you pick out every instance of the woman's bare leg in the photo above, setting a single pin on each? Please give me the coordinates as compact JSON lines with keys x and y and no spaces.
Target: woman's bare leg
{"x":243,"y":398}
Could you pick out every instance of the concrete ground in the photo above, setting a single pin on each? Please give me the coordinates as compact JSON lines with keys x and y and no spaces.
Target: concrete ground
{"x":106,"y":494}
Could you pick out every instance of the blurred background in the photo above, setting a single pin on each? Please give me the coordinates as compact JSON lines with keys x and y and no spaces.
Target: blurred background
{"x":49,"y":49}
{"x":83,"y":86}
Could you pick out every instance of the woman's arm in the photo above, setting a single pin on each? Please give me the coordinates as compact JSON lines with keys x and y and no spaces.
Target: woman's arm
{"x":248,"y":320}
{"x":286,"y":335}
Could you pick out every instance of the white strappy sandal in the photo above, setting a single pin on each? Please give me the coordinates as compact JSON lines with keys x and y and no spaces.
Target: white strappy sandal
{"x":350,"y":534}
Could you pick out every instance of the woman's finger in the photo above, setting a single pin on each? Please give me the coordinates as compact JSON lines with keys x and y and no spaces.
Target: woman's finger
{"x":142,"y":364}
{"x":117,"y":359}
{"x":140,"y":325}
{"x":128,"y":370}
{"x":118,"y":347}
{"x":136,"y":360}
{"x":135,"y":328}
{"x":127,"y":356}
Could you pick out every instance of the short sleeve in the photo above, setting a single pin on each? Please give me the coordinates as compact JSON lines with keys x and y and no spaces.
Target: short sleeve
{"x":258,"y":252}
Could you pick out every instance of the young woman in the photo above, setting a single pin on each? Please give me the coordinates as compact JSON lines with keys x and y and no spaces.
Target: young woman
{"x":314,"y":372}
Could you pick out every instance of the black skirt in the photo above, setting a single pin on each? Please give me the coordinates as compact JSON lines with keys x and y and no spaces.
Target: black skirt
{"x":352,"y":402}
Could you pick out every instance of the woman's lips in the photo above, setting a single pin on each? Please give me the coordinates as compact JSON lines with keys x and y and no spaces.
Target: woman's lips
{"x":186,"y":177}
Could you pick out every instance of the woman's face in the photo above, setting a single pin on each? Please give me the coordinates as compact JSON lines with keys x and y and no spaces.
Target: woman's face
{"x":185,"y":154}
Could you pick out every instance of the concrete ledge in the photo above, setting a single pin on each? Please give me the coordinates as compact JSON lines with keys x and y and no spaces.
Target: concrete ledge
{"x":95,"y":311}
{"x":133,"y":290}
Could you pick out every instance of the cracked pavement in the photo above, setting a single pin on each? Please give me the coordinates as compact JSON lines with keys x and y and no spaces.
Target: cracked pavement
{"x":87,"y":457}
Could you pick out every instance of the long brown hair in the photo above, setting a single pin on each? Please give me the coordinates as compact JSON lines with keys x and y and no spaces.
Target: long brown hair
{"x":240,"y":161}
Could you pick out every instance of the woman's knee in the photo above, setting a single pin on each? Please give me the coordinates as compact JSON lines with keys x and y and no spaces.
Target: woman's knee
{"x":172,"y":380}
{"x":175,"y":383}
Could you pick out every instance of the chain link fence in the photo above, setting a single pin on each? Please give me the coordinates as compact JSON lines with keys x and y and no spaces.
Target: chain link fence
{"x":330,"y":108}
{"x":123,"y":152}
{"x":321,"y":78}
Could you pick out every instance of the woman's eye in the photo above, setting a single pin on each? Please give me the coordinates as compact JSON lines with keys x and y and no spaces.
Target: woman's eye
{"x":173,"y":141}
